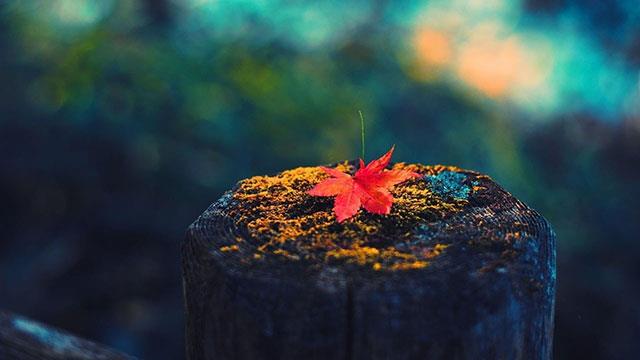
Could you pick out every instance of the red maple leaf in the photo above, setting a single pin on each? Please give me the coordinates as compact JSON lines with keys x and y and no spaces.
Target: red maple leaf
{"x":369,"y":187}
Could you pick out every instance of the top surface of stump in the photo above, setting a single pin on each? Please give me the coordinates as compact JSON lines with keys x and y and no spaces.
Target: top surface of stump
{"x":271,"y":219}
{"x":283,"y":221}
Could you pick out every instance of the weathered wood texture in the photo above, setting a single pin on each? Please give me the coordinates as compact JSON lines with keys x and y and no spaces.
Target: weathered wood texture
{"x":489,"y":295}
{"x":24,"y":339}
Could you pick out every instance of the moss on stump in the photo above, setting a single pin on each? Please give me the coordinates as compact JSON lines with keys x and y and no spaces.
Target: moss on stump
{"x":458,"y":269}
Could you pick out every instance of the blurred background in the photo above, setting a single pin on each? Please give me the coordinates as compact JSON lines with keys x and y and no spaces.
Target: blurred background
{"x":122,"y":120}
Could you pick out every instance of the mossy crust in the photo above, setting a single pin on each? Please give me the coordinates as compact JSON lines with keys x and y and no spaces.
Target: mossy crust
{"x":283,"y":221}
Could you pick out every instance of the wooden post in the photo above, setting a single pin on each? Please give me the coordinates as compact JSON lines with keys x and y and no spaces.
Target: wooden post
{"x":460,"y":270}
{"x":25,"y":339}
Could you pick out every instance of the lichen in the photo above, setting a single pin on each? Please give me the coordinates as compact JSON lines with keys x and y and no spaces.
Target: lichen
{"x":284,"y":221}
{"x":449,"y":184}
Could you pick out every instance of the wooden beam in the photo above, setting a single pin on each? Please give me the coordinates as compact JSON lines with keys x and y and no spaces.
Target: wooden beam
{"x":25,"y":339}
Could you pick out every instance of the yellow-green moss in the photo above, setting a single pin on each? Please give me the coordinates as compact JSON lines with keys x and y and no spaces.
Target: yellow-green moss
{"x":283,"y":220}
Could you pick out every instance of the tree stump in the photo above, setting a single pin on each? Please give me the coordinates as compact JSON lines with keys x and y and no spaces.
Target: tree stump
{"x":460,"y":269}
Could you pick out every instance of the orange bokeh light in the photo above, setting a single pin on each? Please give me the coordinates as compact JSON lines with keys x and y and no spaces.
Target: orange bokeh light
{"x":432,"y":47}
{"x":495,"y":67}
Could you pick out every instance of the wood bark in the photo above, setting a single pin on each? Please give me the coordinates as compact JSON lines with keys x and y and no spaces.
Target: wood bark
{"x":490,"y":295}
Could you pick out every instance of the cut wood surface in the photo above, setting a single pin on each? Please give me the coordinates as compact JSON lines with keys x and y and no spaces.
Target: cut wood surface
{"x":460,"y":269}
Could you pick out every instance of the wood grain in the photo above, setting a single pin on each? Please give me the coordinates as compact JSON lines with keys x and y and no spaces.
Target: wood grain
{"x":490,"y":295}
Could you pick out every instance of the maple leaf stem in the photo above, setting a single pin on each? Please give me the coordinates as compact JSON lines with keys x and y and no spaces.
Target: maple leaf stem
{"x":361,"y":134}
